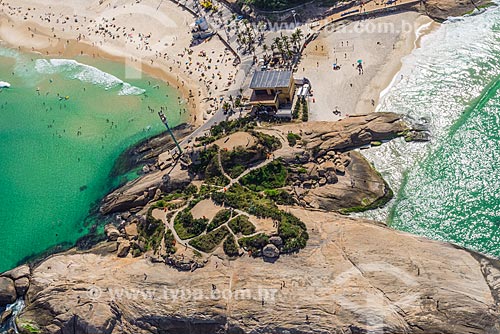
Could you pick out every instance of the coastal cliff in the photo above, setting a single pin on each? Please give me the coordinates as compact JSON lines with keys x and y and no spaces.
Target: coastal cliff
{"x":441,"y":10}
{"x":342,"y":282}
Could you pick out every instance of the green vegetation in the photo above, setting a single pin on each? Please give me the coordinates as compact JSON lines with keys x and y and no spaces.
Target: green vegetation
{"x":206,"y":156}
{"x":255,"y":243}
{"x":231,"y":247}
{"x":271,"y":176}
{"x":30,"y":328}
{"x":244,"y":199}
{"x":483,"y":6}
{"x":270,"y":142}
{"x":296,"y":110}
{"x":280,"y":196}
{"x":207,"y":166}
{"x":151,"y":231}
{"x":225,"y":128}
{"x":169,"y":242}
{"x":291,"y":229}
{"x":242,"y":225}
{"x":208,"y":242}
{"x":213,"y":173}
{"x":220,"y":218}
{"x":293,"y":232}
{"x":305,"y":111}
{"x":292,"y":138}
{"x":236,"y":161}
{"x":187,"y":227}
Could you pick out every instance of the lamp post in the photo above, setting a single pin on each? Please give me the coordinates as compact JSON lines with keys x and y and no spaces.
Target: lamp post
{"x":294,"y":13}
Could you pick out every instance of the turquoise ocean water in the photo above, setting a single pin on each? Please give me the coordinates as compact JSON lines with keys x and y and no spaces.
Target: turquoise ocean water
{"x":448,"y":189}
{"x":62,"y":125}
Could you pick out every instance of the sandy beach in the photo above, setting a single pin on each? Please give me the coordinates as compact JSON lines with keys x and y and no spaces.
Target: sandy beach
{"x":155,"y":38}
{"x":148,"y":36}
{"x":378,"y":44}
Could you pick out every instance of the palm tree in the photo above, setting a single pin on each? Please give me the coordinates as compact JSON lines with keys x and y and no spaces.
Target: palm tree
{"x":300,"y":34}
{"x":277,"y":41}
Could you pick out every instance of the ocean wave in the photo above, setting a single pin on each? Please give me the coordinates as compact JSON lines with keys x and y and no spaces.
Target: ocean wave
{"x":445,"y":189}
{"x":85,"y":73}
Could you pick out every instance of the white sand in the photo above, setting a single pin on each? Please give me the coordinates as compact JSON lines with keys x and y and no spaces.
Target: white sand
{"x":381,"y":53}
{"x":155,"y":40}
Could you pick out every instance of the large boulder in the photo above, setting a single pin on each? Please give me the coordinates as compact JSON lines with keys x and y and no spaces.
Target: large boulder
{"x":22,"y":285}
{"x":5,"y":315}
{"x":16,"y":273}
{"x":441,"y":10}
{"x":271,"y":251}
{"x":123,"y":248}
{"x":276,"y":240}
{"x":131,"y":231}
{"x":8,"y":293}
{"x":112,"y":232}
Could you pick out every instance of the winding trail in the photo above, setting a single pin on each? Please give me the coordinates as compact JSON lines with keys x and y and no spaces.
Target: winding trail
{"x":285,"y":147}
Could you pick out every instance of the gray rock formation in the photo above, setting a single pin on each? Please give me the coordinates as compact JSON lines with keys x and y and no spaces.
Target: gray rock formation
{"x":8,"y":293}
{"x":350,"y":132}
{"x":441,"y":10}
{"x":22,"y":284}
{"x":111,"y":232}
{"x":353,"y":276}
{"x":123,"y":247}
{"x":136,"y":194}
{"x":16,"y":273}
{"x":270,"y":251}
{"x":359,"y":186}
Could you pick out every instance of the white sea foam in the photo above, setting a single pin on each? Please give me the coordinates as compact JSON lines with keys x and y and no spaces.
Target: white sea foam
{"x":85,"y":73}
{"x":452,"y":68}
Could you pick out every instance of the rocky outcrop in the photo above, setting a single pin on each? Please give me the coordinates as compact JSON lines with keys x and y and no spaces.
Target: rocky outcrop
{"x":8,"y":293}
{"x":123,"y":247}
{"x":17,"y":273}
{"x":357,"y":188}
{"x":13,"y":284}
{"x":270,"y":251}
{"x":111,"y":232}
{"x":440,"y":10}
{"x":350,"y":132}
{"x":353,"y":276}
{"x":135,"y":195}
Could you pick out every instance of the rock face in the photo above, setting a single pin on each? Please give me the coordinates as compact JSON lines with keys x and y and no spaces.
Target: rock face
{"x":22,"y":284}
{"x":440,"y":10}
{"x":361,"y":186}
{"x":17,"y":273}
{"x":8,"y":293}
{"x":350,"y":132}
{"x":123,"y":247}
{"x":354,"y":276}
{"x":270,"y":251}
{"x":111,"y":232}
{"x":139,"y":192}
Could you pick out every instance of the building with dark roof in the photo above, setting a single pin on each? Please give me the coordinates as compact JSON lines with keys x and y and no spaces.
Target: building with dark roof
{"x":272,"y":89}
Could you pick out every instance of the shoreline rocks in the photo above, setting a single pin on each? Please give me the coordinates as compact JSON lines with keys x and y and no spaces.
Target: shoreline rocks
{"x":8,"y":293}
{"x":413,"y":286}
{"x":14,"y":284}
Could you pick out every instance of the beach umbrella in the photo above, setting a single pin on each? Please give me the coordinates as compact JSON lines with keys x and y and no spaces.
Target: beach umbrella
{"x":359,"y":61}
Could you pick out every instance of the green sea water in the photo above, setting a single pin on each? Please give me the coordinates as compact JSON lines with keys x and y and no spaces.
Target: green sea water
{"x":449,"y":189}
{"x":63,"y":123}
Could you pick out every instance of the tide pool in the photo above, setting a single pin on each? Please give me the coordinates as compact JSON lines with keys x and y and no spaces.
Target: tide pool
{"x":63,"y":123}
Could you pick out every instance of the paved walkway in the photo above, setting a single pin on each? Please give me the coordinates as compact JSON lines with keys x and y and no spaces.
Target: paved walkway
{"x":371,"y":7}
